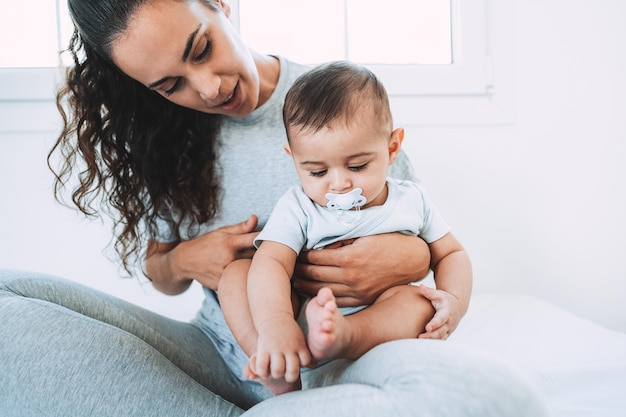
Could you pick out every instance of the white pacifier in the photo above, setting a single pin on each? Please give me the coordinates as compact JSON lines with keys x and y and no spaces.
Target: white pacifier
{"x":346,"y":201}
{"x":342,"y":204}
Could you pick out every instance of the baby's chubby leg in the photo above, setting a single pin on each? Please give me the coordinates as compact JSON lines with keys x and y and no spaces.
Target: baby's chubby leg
{"x":233,"y":296}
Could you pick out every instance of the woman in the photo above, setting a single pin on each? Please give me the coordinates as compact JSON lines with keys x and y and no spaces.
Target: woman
{"x":176,"y":131}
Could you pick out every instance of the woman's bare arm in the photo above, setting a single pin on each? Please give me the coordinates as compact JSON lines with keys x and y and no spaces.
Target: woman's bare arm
{"x":160,"y":269}
{"x":173,"y":266}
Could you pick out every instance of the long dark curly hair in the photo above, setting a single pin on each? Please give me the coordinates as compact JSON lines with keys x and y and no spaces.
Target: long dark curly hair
{"x":133,"y":153}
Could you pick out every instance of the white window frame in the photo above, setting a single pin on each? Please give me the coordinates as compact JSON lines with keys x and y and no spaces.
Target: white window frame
{"x":479,"y":87}
{"x":476,"y":89}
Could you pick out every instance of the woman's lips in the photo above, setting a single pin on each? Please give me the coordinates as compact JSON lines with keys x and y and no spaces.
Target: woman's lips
{"x":232,"y":101}
{"x":229,"y":99}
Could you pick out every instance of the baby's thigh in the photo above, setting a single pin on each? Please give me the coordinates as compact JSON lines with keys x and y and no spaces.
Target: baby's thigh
{"x":234,"y":279}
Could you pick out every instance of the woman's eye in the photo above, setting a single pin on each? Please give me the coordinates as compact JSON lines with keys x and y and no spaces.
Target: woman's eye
{"x":205,"y":52}
{"x":168,"y":92}
{"x":317,"y":173}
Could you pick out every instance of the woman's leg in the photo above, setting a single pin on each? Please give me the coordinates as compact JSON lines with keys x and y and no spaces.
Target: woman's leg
{"x":69,"y":350}
{"x":411,"y":378}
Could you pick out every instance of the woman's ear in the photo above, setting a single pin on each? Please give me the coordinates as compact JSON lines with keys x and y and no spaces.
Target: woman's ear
{"x":395,"y":143}
{"x":224,"y":5}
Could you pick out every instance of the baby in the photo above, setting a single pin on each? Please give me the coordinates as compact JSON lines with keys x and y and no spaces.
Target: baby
{"x":342,"y":141}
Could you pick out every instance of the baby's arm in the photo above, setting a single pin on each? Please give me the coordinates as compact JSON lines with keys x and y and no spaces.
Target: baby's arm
{"x":281,"y":348}
{"x":453,"y":278}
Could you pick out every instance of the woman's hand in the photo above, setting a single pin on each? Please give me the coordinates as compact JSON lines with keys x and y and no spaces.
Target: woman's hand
{"x":173,"y":266}
{"x":449,"y":311}
{"x":359,"y":270}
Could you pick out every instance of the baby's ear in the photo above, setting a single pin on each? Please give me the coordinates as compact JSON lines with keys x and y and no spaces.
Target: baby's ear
{"x":395,"y":143}
{"x":287,"y":149}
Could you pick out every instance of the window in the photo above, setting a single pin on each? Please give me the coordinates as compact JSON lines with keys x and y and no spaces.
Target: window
{"x":453,"y":83}
{"x":417,"y":47}
{"x":465,"y":78}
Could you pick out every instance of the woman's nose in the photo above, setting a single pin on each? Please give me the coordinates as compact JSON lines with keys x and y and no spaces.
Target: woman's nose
{"x":207,"y":85}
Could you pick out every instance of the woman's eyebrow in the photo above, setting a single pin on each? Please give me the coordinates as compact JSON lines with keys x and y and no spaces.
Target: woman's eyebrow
{"x":189,"y":43}
{"x":188,"y":46}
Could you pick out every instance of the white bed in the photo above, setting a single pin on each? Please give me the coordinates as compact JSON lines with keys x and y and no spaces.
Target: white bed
{"x":579,"y":366}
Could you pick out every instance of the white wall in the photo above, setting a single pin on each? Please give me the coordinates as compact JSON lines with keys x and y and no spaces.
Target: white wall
{"x":38,"y":234}
{"x":539,"y":204}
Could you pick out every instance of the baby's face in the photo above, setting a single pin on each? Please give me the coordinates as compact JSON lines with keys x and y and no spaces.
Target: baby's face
{"x":338,"y":158}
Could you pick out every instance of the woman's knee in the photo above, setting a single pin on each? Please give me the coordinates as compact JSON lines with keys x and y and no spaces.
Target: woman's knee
{"x":449,"y":379}
{"x":24,"y":283}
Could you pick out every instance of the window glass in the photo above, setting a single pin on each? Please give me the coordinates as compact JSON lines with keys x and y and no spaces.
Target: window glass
{"x":28,"y":30}
{"x":399,"y":31}
{"x":66,"y":27}
{"x":303,"y":31}
{"x":365,"y":31}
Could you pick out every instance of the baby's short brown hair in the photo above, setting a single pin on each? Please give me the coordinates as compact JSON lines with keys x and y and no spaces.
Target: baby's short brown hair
{"x":333,"y":93}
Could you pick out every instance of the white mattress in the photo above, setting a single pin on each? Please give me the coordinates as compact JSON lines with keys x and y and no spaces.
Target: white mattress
{"x":579,"y":366}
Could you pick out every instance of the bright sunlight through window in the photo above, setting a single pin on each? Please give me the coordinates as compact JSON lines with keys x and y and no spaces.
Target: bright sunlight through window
{"x":364,"y":31}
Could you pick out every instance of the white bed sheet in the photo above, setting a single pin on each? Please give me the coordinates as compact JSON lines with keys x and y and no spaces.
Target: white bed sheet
{"x":579,"y":366}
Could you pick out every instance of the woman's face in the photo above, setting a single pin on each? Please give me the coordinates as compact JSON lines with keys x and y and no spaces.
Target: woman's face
{"x":191,"y":55}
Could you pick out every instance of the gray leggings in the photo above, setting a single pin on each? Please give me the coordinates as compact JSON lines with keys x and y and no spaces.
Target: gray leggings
{"x":68,"y":350}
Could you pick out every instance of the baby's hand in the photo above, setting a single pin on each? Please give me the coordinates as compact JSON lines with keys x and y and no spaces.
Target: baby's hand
{"x":281,"y":352}
{"x":448,"y":313}
{"x":276,"y":386}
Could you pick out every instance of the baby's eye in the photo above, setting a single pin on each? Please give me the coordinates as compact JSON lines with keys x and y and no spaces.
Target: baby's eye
{"x":358,"y":167}
{"x":317,"y":173}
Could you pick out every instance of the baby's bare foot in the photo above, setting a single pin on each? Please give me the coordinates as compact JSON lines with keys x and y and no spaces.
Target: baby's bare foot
{"x":328,"y":333}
